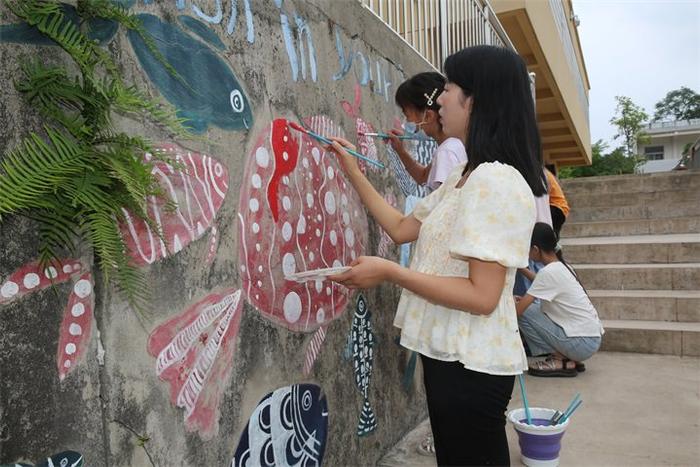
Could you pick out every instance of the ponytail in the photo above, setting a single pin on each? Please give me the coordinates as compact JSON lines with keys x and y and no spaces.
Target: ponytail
{"x":544,"y":238}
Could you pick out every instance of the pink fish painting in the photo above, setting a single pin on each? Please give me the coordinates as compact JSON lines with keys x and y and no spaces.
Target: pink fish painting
{"x":196,"y":184}
{"x":296,"y":213}
{"x":193,"y":352}
{"x":77,"y":322}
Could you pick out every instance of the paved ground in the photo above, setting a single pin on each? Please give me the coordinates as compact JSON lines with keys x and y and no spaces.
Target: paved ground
{"x":638,"y":410}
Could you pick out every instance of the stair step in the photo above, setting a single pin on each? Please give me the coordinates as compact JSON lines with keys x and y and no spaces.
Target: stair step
{"x":648,"y":211}
{"x":632,"y":249}
{"x":632,"y":183}
{"x":631,"y":227}
{"x":678,"y":276}
{"x":647,"y":305}
{"x":596,"y":199}
{"x":660,"y":337}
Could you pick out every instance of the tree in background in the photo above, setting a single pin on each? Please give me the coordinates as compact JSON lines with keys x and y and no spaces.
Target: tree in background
{"x":681,"y":104}
{"x":612,"y":163}
{"x":629,"y":119}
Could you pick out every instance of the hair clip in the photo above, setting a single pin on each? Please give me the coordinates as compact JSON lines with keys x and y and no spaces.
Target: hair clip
{"x":430,"y":97}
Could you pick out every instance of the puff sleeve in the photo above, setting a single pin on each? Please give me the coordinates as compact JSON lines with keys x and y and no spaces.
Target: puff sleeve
{"x":495,"y":217}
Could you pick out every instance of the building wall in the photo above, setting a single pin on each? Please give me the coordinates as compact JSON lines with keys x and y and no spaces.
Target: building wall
{"x":673,"y":145}
{"x":114,"y":391}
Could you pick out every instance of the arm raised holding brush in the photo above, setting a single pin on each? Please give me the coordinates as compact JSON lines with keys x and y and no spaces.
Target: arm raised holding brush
{"x":401,"y":228}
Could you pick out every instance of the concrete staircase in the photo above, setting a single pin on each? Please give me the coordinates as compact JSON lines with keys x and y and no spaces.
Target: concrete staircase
{"x":634,"y":240}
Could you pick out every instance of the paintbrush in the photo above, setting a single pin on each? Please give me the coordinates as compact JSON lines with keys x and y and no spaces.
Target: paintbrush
{"x":387,"y":136}
{"x":325,"y":140}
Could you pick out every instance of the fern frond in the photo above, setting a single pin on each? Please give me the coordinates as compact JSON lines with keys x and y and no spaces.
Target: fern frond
{"x":129,"y":100}
{"x":36,"y":169}
{"x":103,"y":232}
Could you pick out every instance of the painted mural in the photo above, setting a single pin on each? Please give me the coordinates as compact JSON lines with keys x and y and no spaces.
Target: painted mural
{"x":365,"y":144}
{"x":362,"y":357}
{"x":194,"y":352}
{"x":77,"y":321}
{"x":205,"y":91}
{"x":385,"y":241}
{"x":422,"y":151}
{"x":296,"y":213}
{"x":62,"y":459}
{"x":287,"y":428}
{"x":99,"y":29}
{"x":313,"y":349}
{"x":195,"y":186}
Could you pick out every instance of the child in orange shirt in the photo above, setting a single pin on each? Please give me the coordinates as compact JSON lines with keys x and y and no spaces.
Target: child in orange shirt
{"x":557,"y":203}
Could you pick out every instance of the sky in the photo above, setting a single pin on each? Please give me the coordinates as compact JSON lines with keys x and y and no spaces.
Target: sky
{"x":641,"y":49}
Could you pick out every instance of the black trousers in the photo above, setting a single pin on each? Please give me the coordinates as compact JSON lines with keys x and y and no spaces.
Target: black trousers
{"x":467,"y":413}
{"x":558,"y":219}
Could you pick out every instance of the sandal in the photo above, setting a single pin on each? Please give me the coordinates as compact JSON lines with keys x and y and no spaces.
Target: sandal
{"x":427,"y":446}
{"x":552,"y":367}
{"x":580,"y":367}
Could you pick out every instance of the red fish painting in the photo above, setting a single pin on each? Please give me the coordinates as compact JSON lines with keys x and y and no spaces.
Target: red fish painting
{"x":296,"y":213}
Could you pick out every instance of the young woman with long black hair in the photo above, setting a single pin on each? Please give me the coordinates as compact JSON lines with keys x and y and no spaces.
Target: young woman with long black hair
{"x":457,"y":309}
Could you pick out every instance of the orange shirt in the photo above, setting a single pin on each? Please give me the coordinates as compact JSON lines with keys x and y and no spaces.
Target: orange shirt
{"x":556,"y":195}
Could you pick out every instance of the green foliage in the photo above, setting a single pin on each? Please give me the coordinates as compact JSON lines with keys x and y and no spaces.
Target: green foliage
{"x":77,"y":176}
{"x":629,"y":119}
{"x":612,"y":163}
{"x":681,"y":104}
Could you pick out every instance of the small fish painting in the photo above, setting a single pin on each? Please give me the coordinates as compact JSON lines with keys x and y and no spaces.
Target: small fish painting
{"x":362,"y":356}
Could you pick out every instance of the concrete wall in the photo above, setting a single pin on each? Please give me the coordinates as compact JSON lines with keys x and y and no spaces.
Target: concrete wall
{"x":96,"y":390}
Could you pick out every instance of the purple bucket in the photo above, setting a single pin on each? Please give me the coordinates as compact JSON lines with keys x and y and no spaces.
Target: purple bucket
{"x":540,"y":442}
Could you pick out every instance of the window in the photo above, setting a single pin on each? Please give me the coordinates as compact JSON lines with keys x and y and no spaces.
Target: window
{"x":654,"y":153}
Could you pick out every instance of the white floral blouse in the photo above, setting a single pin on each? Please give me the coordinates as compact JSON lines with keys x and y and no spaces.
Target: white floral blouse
{"x":490,"y":218}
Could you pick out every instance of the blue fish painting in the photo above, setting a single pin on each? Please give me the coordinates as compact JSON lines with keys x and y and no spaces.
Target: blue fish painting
{"x":62,"y":459}
{"x":362,"y":356}
{"x":287,"y":428}
{"x":98,"y":29}
{"x":205,"y":92}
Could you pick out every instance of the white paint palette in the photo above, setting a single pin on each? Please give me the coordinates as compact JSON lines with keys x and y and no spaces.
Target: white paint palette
{"x":316,"y":274}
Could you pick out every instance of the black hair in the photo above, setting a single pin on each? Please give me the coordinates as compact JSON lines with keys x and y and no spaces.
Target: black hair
{"x":502,"y":126}
{"x":544,"y":238}
{"x":420,"y":91}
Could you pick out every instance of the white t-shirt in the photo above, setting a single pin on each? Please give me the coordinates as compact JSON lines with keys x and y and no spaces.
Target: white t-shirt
{"x":565,"y":301}
{"x":447,"y":156}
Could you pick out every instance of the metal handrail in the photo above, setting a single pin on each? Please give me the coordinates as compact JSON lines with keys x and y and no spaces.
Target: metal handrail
{"x":438,"y":28}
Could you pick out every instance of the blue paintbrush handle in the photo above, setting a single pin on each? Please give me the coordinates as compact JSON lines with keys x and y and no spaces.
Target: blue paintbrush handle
{"x":565,"y":417}
{"x":571,"y":405}
{"x":354,"y":153}
{"x":521,"y":380}
{"x":386,"y":136}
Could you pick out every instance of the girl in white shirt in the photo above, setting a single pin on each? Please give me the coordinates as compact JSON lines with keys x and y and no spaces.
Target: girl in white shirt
{"x":472,"y":233}
{"x":564,"y":324}
{"x":417,"y":98}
